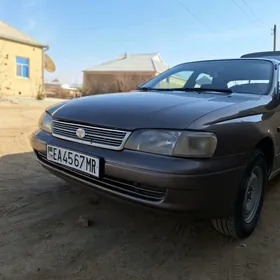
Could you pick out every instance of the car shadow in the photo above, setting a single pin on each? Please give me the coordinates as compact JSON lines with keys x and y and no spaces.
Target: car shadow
{"x":41,"y":234}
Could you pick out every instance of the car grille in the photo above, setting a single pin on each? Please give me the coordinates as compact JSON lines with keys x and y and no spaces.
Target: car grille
{"x":132,"y":189}
{"x":94,"y":136}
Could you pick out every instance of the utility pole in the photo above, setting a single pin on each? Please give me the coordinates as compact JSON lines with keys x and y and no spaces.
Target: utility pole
{"x":274,"y":37}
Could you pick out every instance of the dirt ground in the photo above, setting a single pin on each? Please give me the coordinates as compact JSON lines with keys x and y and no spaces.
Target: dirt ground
{"x":40,"y":237}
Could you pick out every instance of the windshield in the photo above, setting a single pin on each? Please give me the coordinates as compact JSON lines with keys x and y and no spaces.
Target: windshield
{"x":240,"y":76}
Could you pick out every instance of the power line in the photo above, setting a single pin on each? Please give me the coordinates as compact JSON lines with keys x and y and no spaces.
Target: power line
{"x":241,"y":9}
{"x":193,"y":15}
{"x":252,"y":12}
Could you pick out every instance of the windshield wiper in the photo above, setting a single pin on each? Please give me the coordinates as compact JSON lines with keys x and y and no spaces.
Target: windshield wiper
{"x":186,"y":89}
{"x":226,"y":90}
{"x":146,"y":89}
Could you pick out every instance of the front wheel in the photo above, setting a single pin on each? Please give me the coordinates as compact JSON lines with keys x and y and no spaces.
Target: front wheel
{"x":249,"y":200}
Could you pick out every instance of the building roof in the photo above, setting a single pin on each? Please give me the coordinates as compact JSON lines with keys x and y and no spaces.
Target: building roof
{"x":10,"y":33}
{"x":132,"y":63}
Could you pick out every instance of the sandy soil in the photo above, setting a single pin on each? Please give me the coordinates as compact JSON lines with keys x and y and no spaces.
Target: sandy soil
{"x":40,"y":237}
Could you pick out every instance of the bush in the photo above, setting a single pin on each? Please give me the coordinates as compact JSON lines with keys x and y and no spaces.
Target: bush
{"x":40,"y":93}
{"x":40,"y":96}
{"x":62,"y":93}
{"x":108,"y":83}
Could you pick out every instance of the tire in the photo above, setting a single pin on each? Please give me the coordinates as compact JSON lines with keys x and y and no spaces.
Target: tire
{"x":243,"y":223}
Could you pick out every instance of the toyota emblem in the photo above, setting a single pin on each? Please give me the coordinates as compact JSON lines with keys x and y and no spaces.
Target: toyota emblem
{"x":80,"y":133}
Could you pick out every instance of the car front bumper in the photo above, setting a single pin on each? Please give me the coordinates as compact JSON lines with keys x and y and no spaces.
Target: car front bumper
{"x":201,"y":187}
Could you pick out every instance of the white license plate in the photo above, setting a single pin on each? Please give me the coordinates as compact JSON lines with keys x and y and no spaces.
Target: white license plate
{"x":81,"y":162}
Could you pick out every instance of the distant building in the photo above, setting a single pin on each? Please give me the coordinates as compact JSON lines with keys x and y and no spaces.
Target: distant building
{"x":58,"y":89}
{"x":76,"y":86}
{"x":21,"y":63}
{"x":124,"y":73}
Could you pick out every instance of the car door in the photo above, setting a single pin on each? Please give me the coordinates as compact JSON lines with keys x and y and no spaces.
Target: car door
{"x":277,"y":128}
{"x":273,"y":117}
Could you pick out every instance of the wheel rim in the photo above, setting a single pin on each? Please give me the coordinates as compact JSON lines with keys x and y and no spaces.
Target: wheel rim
{"x":252,"y":194}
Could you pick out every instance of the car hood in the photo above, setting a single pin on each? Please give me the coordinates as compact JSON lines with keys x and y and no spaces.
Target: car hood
{"x":135,"y":110}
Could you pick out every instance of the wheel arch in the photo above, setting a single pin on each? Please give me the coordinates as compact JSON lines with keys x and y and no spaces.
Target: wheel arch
{"x":266,"y":145}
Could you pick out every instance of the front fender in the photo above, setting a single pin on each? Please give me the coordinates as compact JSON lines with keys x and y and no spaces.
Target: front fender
{"x":240,"y":135}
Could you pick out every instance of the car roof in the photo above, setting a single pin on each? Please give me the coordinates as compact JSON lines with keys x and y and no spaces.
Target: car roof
{"x":268,"y":55}
{"x":274,"y":61}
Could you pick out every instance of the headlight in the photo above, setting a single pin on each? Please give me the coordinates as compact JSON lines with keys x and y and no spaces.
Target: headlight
{"x":45,"y":122}
{"x":173,"y":143}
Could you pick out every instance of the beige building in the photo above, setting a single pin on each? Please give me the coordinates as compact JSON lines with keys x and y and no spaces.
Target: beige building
{"x":124,"y":73}
{"x":21,"y":63}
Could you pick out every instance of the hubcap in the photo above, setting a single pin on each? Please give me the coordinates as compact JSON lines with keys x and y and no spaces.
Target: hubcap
{"x":252,"y":194}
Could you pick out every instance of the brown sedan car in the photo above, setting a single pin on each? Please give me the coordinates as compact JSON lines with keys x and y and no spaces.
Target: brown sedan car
{"x":202,"y":137}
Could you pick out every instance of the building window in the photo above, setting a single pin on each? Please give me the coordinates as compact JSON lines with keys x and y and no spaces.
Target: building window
{"x":22,"y":67}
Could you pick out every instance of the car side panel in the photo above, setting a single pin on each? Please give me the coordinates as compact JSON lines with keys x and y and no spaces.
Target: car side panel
{"x":240,"y":131}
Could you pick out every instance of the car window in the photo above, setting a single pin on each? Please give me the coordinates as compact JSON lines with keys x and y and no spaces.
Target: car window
{"x":203,"y":79}
{"x":243,"y":82}
{"x":252,"y":76}
{"x":278,"y":79}
{"x":249,"y":86}
{"x":177,"y":80}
